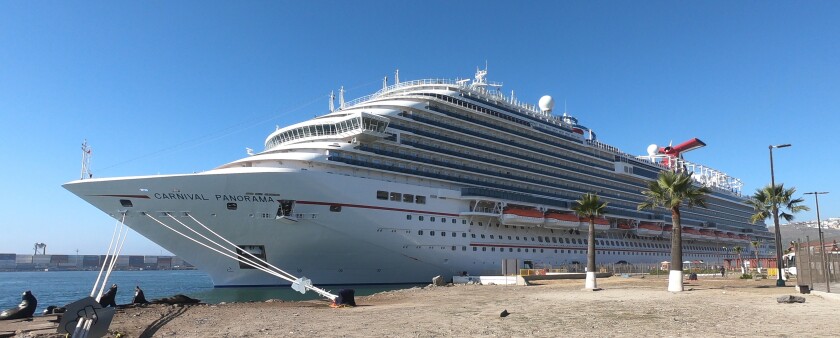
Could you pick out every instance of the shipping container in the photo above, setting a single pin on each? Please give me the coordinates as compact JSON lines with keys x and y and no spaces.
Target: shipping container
{"x":136,"y":261}
{"x":58,"y":259}
{"x":23,"y":259}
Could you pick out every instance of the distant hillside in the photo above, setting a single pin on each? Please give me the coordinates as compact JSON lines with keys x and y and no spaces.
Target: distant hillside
{"x":799,"y":232}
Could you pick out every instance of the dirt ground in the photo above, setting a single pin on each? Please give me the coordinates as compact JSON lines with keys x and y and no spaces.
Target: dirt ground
{"x":625,"y":307}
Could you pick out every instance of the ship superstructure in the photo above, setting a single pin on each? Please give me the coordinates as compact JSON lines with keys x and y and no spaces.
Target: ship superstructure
{"x":424,"y":178}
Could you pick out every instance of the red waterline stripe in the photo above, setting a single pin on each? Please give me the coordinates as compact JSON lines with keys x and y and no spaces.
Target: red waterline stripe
{"x":378,"y":208}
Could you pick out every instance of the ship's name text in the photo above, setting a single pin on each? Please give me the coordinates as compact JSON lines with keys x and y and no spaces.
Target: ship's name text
{"x":201,"y":197}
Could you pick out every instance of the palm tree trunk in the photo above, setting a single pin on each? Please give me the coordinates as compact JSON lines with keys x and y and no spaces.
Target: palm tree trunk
{"x":590,"y":257}
{"x":675,"y":276}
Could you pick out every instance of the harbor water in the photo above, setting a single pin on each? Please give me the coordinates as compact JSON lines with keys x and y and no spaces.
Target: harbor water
{"x":62,"y":287}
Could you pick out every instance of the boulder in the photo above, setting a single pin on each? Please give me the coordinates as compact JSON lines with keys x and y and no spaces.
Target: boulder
{"x":790,"y":299}
{"x":438,"y":281}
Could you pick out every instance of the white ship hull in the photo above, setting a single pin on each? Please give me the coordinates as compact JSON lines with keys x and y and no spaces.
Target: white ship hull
{"x":369,"y":242}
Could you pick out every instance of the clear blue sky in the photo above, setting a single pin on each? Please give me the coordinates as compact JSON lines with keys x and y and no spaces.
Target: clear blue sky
{"x":183,"y":86}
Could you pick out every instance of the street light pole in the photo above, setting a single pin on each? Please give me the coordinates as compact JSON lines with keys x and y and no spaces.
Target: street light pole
{"x":780,"y":281}
{"x":822,"y":241}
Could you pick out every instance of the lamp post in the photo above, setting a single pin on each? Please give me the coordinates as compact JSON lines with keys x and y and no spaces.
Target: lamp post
{"x":822,"y":241}
{"x":780,"y":281}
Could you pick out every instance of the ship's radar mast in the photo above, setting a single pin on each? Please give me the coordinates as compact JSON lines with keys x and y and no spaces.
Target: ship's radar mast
{"x":86,"y":154}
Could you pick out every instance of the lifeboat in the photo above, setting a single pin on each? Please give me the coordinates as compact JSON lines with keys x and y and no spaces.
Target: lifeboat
{"x":522,"y":217}
{"x":557,"y":220}
{"x":624,"y":225}
{"x":708,"y":234}
{"x":600,"y":224}
{"x":649,"y":229}
{"x":733,"y":238}
{"x":691,"y":233}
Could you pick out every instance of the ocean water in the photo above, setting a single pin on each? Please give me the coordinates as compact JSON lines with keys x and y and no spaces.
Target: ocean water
{"x":62,"y":287}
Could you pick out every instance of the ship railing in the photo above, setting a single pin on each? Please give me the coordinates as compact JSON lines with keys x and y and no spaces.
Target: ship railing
{"x":491,"y":95}
{"x":701,"y":174}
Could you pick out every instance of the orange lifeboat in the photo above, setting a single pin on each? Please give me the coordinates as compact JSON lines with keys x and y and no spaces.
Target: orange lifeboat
{"x":522,"y":217}
{"x":649,"y":229}
{"x":558,"y":220}
{"x":691,"y":233}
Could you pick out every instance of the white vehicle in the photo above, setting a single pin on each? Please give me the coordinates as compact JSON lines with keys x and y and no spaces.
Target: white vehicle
{"x":789,"y":264}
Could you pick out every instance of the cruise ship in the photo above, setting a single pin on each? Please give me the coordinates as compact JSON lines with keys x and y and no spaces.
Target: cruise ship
{"x":424,"y":178}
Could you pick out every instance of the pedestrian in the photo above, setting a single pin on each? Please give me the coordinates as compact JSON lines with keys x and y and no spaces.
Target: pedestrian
{"x":722,"y":271}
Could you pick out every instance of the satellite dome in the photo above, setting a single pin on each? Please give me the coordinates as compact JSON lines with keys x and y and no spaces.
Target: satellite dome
{"x":652,"y":149}
{"x":546,"y":104}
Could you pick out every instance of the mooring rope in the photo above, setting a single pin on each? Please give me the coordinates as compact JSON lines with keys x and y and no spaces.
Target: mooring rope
{"x":83,"y":325}
{"x":281,"y":274}
{"x":247,"y":252}
{"x":108,"y":253}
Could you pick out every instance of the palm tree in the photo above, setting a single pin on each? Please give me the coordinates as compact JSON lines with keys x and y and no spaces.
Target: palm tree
{"x":762,"y":202}
{"x":589,"y":207}
{"x":738,"y":251}
{"x":755,"y":245}
{"x":671,"y":190}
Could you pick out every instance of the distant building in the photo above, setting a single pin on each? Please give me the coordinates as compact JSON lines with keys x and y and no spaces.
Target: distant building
{"x":27,"y":262}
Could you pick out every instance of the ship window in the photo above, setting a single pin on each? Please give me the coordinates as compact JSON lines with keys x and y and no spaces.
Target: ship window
{"x":431,"y":219}
{"x":463,"y":248}
{"x":431,"y":233}
{"x":482,"y":235}
{"x":419,"y":232}
{"x":539,"y":238}
{"x":420,"y":218}
{"x":126,"y":203}
{"x":443,"y":234}
{"x":454,"y":234}
{"x":517,"y":238}
{"x":420,"y":199}
{"x":484,"y":248}
{"x":510,"y":249}
{"x":475,"y":249}
{"x":463,"y":221}
{"x":479,"y":224}
{"x":518,"y":249}
{"x":395,"y":196}
{"x":464,"y":235}
{"x":409,"y":198}
{"x":382,"y":195}
{"x":509,"y":238}
{"x":491,"y":237}
{"x":443,"y":220}
{"x":335,"y":208}
{"x":408,"y":217}
{"x":453,"y":248}
{"x":231,"y":206}
{"x":454,"y":221}
{"x":473,"y":235}
{"x":493,"y":249}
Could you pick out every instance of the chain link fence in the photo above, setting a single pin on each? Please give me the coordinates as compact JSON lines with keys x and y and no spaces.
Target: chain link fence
{"x":817,"y":265}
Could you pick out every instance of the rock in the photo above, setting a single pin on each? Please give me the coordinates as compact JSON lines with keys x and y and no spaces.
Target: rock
{"x":790,"y":299}
{"x":438,"y":281}
{"x":504,"y":313}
